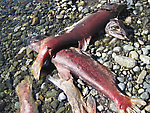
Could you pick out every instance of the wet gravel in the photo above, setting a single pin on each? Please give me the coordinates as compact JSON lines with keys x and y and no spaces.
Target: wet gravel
{"x":129,"y":60}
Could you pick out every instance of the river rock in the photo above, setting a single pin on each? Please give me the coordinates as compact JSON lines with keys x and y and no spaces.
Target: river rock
{"x":127,"y":48}
{"x":125,"y":61}
{"x":141,"y":76}
{"x":61,"y":96}
{"x":145,"y":59}
{"x":134,"y":55}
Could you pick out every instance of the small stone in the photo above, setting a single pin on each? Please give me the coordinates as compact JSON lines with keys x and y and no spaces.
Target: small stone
{"x":134,"y":55}
{"x":85,"y":91}
{"x":144,"y":96}
{"x":145,"y":59}
{"x":147,"y":47}
{"x":140,"y":42}
{"x":139,"y":22}
{"x":148,"y":67}
{"x":51,"y":93}
{"x":145,"y":51}
{"x":128,"y":20}
{"x":136,"y":69}
{"x":59,"y":16}
{"x":125,"y":61}
{"x":54,"y":104}
{"x":141,"y":76}
{"x":28,"y":61}
{"x":93,"y":92}
{"x":113,"y":107}
{"x":117,"y":49}
{"x":35,"y":20}
{"x":61,"y":96}
{"x":85,"y":10}
{"x":121,"y":86}
{"x":144,"y":32}
{"x":147,"y":108}
{"x":128,"y":48}
{"x":140,"y":91}
{"x":60,"y":110}
{"x":23,"y":68}
{"x":97,"y":43}
{"x":80,"y":82}
{"x":136,"y":44}
{"x":130,"y":2}
{"x":100,"y":108}
{"x":116,"y":67}
{"x":121,"y":79}
{"x":80,"y":8}
{"x":17,"y":28}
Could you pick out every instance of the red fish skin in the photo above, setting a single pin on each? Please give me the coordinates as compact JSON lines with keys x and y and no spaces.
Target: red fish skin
{"x":27,"y":103}
{"x":83,"y":30}
{"x":93,"y":73}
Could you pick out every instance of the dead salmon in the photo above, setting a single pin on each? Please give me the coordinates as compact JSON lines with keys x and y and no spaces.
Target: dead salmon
{"x":75,"y":61}
{"x":80,"y":32}
{"x":24,"y":92}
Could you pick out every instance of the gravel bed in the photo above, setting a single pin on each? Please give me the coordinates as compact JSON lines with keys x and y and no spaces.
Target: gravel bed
{"x":129,"y":60}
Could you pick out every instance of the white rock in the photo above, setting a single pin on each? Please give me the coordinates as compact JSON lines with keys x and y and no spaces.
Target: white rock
{"x":147,"y":108}
{"x":145,"y":59}
{"x":117,"y":49}
{"x":145,"y":51}
{"x":100,"y":108}
{"x":61,"y":96}
{"x":141,"y":76}
{"x":128,"y":20}
{"x":125,"y":61}
{"x":134,"y":55}
{"x":128,"y":48}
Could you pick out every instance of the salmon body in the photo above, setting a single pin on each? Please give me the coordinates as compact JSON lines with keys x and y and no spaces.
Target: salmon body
{"x":27,"y":103}
{"x":80,"y":32}
{"x":100,"y":77}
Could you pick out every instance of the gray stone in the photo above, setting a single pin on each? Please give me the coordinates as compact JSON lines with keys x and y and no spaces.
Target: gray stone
{"x":125,"y":61}
{"x":134,"y":55}
{"x":145,"y":59}
{"x":85,"y":91}
{"x":117,"y":49}
{"x":23,"y":68}
{"x":141,"y":76}
{"x":113,"y":107}
{"x":59,"y":16}
{"x":100,"y":108}
{"x":144,"y":95}
{"x":136,"y":69}
{"x":121,"y":79}
{"x":121,"y":86}
{"x":136,"y":44}
{"x":130,"y":2}
{"x":127,"y":48}
{"x":140,"y":91}
{"x":62,"y":96}
{"x":116,"y":67}
{"x":145,"y":51}
{"x":17,"y":28}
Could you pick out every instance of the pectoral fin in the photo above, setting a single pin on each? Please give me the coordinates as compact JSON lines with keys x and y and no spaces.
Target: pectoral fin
{"x":83,"y":44}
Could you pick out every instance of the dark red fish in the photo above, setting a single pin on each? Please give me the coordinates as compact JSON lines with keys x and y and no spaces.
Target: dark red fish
{"x":75,"y":61}
{"x":80,"y":32}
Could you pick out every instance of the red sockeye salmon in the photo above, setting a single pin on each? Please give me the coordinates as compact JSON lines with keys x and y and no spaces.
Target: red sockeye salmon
{"x":80,"y":32}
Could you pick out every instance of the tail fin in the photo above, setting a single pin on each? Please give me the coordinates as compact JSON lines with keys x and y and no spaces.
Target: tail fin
{"x":133,"y":108}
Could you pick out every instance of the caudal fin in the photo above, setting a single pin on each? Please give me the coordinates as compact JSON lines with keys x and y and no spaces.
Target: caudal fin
{"x":133,"y":107}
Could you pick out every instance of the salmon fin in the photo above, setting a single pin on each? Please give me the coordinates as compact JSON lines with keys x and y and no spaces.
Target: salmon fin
{"x":91,"y":104}
{"x":64,"y":73}
{"x":133,"y":108}
{"x":84,"y":43}
{"x":73,"y":94}
{"x":75,"y":98}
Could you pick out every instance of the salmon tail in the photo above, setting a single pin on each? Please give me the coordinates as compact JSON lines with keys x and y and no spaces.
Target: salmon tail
{"x":132,"y":108}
